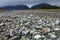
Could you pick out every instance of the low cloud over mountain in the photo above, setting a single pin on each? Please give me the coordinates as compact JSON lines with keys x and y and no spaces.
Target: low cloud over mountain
{"x":28,"y":2}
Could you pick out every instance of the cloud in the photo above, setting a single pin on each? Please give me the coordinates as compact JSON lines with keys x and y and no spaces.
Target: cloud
{"x":28,"y":2}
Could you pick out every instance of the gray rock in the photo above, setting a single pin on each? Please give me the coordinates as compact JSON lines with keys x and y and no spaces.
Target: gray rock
{"x":15,"y":38}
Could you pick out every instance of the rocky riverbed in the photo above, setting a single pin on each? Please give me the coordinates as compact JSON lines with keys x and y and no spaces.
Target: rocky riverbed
{"x":29,"y":27}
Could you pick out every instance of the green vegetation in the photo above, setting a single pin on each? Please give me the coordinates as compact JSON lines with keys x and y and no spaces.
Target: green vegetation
{"x":50,"y":7}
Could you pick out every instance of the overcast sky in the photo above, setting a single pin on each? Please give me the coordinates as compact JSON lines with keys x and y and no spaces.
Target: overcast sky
{"x":28,"y":2}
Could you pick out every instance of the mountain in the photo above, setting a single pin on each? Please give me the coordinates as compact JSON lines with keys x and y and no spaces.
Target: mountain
{"x":40,"y":5}
{"x":24,"y":7}
{"x":17,"y":7}
{"x":44,"y":6}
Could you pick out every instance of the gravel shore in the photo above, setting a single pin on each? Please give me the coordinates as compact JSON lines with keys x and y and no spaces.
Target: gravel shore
{"x":29,"y":25}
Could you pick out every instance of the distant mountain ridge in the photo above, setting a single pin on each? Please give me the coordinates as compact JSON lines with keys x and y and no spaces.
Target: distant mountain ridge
{"x":44,"y":6}
{"x":24,"y":7}
{"x":40,"y":5}
{"x":17,"y":7}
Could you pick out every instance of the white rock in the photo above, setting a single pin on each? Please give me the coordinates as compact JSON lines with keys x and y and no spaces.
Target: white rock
{"x":53,"y":36}
{"x":27,"y":23}
{"x":57,"y":21}
{"x":31,"y":15}
{"x":21,"y":21}
{"x":32,"y":31}
{"x":28,"y":17}
{"x":43,"y":36}
{"x":52,"y":24}
{"x":1,"y":24}
{"x":48,"y":29}
{"x":37,"y":36}
{"x":11,"y":32}
{"x":56,"y":29}
{"x":13,"y":38}
{"x":25,"y":32}
{"x":40,"y":20}
{"x":38,"y":26}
